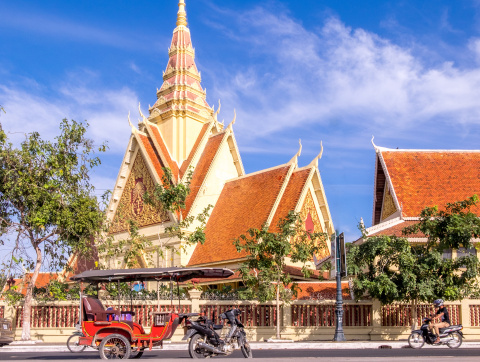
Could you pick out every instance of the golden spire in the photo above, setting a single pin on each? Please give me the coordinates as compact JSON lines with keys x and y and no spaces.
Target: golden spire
{"x":181,"y":15}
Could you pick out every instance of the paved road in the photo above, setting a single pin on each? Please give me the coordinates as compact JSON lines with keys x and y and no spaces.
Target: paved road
{"x":364,"y":355}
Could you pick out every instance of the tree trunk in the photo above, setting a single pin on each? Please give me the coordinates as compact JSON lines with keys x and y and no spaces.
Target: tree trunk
{"x":414,"y":315}
{"x":278,"y":310}
{"x":27,"y":305}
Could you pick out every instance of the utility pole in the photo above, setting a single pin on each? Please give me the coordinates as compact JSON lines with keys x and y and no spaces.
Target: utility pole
{"x":339,"y":336}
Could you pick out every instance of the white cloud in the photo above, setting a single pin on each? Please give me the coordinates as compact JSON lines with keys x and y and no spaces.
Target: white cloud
{"x":474,"y":46}
{"x":105,"y":110}
{"x":340,"y":74}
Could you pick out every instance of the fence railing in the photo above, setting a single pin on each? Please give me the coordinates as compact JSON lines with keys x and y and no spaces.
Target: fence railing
{"x":401,"y":315}
{"x":253,"y":315}
{"x":475,"y":315}
{"x":323,"y":315}
{"x":298,"y":314}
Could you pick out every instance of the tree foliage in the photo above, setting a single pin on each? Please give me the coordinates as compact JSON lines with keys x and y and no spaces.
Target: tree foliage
{"x":391,"y":269}
{"x":47,"y":203}
{"x":172,"y":196}
{"x":266,"y":257}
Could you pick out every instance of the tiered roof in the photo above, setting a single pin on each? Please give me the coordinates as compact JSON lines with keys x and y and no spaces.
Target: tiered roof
{"x":240,"y":202}
{"x":251,"y":201}
{"x":181,"y":89}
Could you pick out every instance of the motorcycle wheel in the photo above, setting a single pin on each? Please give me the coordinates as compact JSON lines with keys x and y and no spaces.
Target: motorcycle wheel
{"x":247,"y":351}
{"x":115,"y":346}
{"x":455,"y":341}
{"x":72,"y":344}
{"x":194,"y":351}
{"x":416,"y":340}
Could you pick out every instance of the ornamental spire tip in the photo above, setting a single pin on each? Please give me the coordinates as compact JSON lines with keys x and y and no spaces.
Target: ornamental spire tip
{"x":182,"y":14}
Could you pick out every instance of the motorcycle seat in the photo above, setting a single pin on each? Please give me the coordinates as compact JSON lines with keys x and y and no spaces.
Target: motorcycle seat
{"x":217,"y":326}
{"x":443,"y":330}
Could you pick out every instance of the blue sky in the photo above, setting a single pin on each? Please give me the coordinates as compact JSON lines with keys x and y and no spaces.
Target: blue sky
{"x":407,"y":72}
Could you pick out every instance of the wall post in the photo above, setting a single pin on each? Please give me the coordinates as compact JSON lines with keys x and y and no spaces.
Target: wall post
{"x":287,"y":315}
{"x":195,"y":299}
{"x":465,"y":313}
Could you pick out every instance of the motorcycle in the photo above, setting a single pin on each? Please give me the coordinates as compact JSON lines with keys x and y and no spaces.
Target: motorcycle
{"x":205,"y":342}
{"x":451,"y":336}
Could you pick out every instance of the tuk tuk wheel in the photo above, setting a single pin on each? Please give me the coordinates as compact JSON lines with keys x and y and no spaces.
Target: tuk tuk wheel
{"x":115,"y":346}
{"x":136,"y":354}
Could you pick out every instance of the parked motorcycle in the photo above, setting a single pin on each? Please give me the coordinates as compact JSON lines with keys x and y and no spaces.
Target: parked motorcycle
{"x":451,"y":336}
{"x":205,"y":342}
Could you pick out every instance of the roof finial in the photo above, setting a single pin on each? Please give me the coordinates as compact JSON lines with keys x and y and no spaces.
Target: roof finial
{"x":319,"y":156}
{"x":299,"y":152}
{"x":230,"y":126}
{"x":181,"y":15}
{"x":218,"y":110}
{"x":130,"y":122}
{"x":140,"y":111}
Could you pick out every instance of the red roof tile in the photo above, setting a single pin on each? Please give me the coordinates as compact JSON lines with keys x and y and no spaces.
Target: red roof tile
{"x":290,"y":196}
{"x":201,"y":170}
{"x":43,"y":279}
{"x":322,"y":291}
{"x":429,"y":178}
{"x":155,"y":134}
{"x":187,"y":162}
{"x":152,"y":154}
{"x":396,"y":230}
{"x":243,"y":204}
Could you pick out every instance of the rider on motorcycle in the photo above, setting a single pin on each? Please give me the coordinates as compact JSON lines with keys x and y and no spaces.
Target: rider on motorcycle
{"x":441,"y":317}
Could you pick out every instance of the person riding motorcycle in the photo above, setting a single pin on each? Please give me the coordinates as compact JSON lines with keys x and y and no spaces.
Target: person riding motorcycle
{"x":441,"y":317}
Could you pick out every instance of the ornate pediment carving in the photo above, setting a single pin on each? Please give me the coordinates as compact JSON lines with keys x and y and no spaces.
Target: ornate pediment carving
{"x":311,"y":221}
{"x":132,"y":206}
{"x":388,"y":207}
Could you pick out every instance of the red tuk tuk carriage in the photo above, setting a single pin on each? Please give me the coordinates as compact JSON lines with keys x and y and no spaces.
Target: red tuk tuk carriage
{"x":113,"y":332}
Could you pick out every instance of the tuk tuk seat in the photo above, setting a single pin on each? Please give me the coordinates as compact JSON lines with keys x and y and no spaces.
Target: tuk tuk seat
{"x":95,"y":311}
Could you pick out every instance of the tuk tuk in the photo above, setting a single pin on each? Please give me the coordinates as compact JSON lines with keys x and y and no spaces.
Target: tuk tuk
{"x":113,"y":332}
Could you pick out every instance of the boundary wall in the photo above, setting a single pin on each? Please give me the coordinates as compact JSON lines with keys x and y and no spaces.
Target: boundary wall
{"x":302,"y":320}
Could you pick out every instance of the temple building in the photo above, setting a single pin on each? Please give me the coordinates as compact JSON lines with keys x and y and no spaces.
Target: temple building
{"x":182,"y":133}
{"x":407,"y":181}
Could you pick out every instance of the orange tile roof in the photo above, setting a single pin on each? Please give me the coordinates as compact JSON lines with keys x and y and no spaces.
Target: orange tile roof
{"x":154,"y":133}
{"x":201,"y":169}
{"x":396,"y":230}
{"x":290,"y":197}
{"x":187,"y":162}
{"x":243,"y":204}
{"x":152,"y":154}
{"x":296,"y":271}
{"x":43,"y":279}
{"x":429,"y":178}
{"x":322,"y":290}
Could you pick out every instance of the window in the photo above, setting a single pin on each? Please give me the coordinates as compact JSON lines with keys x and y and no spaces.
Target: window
{"x":447,"y":254}
{"x":466,"y":252}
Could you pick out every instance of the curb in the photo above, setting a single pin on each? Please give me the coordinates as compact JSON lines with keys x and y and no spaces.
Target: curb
{"x":254,"y":345}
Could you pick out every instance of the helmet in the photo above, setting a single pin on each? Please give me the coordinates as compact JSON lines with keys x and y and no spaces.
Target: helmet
{"x":438,"y":302}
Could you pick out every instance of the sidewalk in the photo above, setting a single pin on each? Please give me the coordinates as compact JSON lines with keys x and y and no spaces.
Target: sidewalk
{"x":50,"y":347}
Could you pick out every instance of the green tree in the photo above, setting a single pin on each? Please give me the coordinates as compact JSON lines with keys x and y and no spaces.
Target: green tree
{"x":267,"y":252}
{"x":47,"y":203}
{"x":172,"y":196}
{"x":391,"y":269}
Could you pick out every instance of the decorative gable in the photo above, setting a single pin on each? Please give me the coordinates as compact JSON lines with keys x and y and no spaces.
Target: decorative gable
{"x":131,"y":205}
{"x":312,"y":223}
{"x":388,"y":206}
